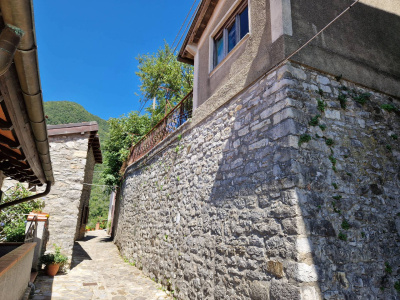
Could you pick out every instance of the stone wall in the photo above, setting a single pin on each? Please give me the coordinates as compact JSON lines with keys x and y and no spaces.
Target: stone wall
{"x":85,"y":197}
{"x":73,"y":164}
{"x":265,"y":200}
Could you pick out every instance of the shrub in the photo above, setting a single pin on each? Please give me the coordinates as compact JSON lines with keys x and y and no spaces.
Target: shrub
{"x":13,"y":218}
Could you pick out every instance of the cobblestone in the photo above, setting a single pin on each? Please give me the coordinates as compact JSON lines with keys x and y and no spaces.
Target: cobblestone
{"x":98,"y":272}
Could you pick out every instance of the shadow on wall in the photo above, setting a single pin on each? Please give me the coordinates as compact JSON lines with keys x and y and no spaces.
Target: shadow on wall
{"x":79,"y":254}
{"x":237,"y":208}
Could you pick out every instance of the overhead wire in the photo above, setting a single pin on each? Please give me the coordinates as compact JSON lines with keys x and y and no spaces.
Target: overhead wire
{"x":187,"y":26}
{"x":194,"y":2}
{"x":190,"y":21}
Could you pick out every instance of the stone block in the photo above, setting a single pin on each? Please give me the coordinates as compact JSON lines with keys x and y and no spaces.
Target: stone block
{"x":275,"y":268}
{"x":259,"y":290}
{"x":283,"y":290}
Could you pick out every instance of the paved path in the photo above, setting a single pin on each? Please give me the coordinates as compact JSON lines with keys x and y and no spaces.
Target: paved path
{"x":98,"y":272}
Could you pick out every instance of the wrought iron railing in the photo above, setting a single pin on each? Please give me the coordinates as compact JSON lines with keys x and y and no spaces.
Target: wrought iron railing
{"x":170,"y":123}
{"x":31,"y":233}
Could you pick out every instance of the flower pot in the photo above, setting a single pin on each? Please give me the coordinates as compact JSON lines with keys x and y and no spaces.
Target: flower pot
{"x":52,"y":269}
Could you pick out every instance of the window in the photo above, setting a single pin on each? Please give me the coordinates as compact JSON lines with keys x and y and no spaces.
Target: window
{"x":231,"y":34}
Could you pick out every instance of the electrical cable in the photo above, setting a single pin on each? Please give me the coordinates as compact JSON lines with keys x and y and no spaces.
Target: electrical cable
{"x":194,"y":2}
{"x":190,"y":22}
{"x":310,"y":40}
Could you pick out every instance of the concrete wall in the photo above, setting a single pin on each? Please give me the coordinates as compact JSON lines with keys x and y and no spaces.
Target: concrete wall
{"x":362,"y":45}
{"x":73,"y":163}
{"x":15,"y":271}
{"x":237,"y":209}
{"x":245,"y":63}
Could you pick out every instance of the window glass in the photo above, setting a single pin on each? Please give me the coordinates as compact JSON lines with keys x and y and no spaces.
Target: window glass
{"x":229,"y":36}
{"x":232,"y":37}
{"x":219,"y":45}
{"x":244,"y":22}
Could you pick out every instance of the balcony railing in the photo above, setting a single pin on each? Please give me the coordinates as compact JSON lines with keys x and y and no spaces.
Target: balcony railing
{"x":170,"y":123}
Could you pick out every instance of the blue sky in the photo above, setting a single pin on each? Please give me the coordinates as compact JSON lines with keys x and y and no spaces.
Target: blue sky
{"x":87,"y":48}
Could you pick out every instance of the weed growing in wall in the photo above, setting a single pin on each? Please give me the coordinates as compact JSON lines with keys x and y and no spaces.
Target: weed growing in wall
{"x":304,"y":138}
{"x":397,"y":286}
{"x":342,"y":236}
{"x":345,"y":225}
{"x":389,"y":107}
{"x":342,"y":100}
{"x":329,"y":142}
{"x":314,"y":121}
{"x":361,"y":98}
{"x":321,"y":105}
{"x":333,"y":161}
{"x":388,"y":268}
{"x":338,"y":78}
{"x":323,"y":127}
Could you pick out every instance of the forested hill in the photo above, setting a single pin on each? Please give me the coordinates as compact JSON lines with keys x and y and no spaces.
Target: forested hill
{"x":64,"y":112}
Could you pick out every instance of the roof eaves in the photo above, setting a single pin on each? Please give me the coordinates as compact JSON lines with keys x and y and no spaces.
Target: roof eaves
{"x":200,"y":21}
{"x":19,"y":13}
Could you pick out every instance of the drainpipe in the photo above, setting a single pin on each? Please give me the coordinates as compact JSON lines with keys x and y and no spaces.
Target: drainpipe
{"x":10,"y":38}
{"x":8,"y":204}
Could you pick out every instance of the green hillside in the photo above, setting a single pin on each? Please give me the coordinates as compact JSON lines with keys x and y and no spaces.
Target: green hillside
{"x":64,"y":112}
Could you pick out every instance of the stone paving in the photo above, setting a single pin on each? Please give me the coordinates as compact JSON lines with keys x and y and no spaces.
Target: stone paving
{"x":98,"y":272}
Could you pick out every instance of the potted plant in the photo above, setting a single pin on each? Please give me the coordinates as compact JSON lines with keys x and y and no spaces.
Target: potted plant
{"x":53,"y":261}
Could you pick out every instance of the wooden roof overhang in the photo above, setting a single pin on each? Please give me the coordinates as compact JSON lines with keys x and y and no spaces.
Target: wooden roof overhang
{"x":13,"y":158}
{"x":74,"y":128}
{"x":24,"y":147}
{"x":199,"y":24}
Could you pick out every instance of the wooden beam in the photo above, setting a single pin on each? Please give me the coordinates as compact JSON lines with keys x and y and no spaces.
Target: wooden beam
{"x":13,"y":99}
{"x":9,"y":152}
{"x":5,"y":125}
{"x":10,"y":143}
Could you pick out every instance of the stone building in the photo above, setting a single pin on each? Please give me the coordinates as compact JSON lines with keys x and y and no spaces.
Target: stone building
{"x":285,"y":184}
{"x":74,"y":149}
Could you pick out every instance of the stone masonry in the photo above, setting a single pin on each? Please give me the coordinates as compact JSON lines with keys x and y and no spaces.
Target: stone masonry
{"x":73,"y":163}
{"x":289,"y":191}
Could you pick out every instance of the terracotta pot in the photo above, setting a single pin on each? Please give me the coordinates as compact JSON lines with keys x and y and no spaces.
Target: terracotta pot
{"x":52,"y":269}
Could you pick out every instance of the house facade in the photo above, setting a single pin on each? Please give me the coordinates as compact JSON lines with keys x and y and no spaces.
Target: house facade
{"x":75,"y":149}
{"x":284,"y":184}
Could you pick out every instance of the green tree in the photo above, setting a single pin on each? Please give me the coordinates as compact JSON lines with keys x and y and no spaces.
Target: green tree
{"x":124,"y":131}
{"x":163,"y":78}
{"x":12,"y":219}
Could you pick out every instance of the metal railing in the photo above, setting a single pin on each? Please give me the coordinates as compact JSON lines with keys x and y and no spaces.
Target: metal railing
{"x":31,"y":233}
{"x":170,"y":123}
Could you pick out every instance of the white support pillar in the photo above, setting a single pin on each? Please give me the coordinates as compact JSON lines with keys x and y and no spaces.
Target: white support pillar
{"x":281,"y":18}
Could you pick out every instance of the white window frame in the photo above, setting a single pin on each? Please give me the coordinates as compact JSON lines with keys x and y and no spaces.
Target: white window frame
{"x":217,"y":31}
